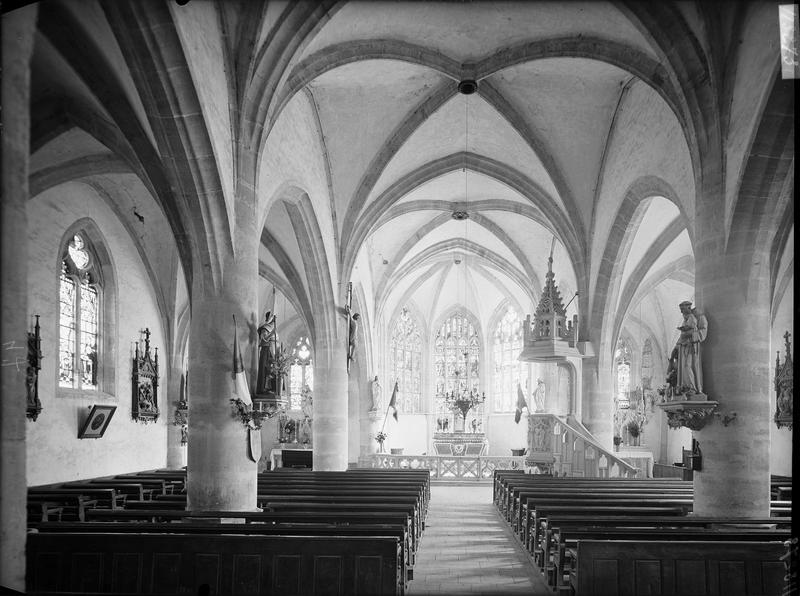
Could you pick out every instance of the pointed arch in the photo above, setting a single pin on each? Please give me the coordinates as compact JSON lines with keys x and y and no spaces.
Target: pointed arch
{"x":87,"y":347}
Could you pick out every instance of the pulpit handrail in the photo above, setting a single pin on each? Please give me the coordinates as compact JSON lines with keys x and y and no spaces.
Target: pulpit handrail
{"x":575,"y":431}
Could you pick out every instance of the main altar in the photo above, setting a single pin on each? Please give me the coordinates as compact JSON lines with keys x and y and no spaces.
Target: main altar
{"x":460,"y":443}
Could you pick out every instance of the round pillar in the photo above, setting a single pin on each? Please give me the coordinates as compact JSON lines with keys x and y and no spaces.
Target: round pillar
{"x":330,"y":404}
{"x":220,"y":475}
{"x":734,"y":480}
{"x":19,"y":27}
{"x":598,"y":401}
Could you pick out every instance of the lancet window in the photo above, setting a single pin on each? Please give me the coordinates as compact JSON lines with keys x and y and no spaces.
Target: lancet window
{"x":79,"y":316}
{"x":301,"y":372}
{"x":507,"y":369}
{"x":406,"y":356}
{"x":453,"y":372}
{"x":622,"y":360}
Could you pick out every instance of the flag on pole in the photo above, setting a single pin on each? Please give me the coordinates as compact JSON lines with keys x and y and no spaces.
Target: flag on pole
{"x":240,"y":388}
{"x":271,"y":302}
{"x":521,"y":403}
{"x":393,"y":401}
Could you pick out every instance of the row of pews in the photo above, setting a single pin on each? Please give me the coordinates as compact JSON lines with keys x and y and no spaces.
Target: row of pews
{"x":593,"y":537}
{"x":353,"y":532}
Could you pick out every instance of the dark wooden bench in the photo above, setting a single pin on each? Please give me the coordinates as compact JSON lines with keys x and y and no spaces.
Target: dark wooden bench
{"x":545,"y":512}
{"x":235,"y":565}
{"x":296,"y":527}
{"x":633,"y":567}
{"x":347,"y":518}
{"x":551,"y":526}
{"x":105,"y":497}
{"x":561,"y":564}
{"x":523,"y":512}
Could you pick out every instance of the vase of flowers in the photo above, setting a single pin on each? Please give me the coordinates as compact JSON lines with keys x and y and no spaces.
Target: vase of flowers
{"x":634,"y":430}
{"x":381,"y":438}
{"x":617,"y":442}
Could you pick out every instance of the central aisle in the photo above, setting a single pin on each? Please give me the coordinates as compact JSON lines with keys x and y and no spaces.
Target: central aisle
{"x":468,"y":549}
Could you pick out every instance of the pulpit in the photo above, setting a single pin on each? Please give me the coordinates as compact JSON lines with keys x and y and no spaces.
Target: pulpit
{"x":460,"y":443}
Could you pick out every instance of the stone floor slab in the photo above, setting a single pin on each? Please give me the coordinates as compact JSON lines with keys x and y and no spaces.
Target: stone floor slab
{"x":468,"y":549}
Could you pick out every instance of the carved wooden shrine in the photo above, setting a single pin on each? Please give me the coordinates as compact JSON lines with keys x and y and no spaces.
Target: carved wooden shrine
{"x":784,"y":386}
{"x":145,"y":383}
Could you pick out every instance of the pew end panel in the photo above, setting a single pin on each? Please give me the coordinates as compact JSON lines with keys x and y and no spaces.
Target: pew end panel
{"x":243,"y":565}
{"x":633,"y":567}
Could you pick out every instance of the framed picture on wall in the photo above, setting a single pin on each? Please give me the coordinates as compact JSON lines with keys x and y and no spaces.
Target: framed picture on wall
{"x":97,"y":422}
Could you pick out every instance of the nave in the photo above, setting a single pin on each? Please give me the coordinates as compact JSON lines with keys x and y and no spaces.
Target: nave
{"x":468,"y":549}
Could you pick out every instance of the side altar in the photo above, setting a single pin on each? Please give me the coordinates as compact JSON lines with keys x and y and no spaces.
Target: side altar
{"x":460,"y":443}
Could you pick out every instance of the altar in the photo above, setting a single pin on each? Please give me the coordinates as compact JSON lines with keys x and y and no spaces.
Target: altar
{"x":460,"y":443}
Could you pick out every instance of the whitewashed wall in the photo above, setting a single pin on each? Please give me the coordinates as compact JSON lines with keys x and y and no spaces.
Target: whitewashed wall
{"x":54,"y":452}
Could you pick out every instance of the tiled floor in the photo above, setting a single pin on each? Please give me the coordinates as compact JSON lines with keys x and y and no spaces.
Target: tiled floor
{"x":468,"y":549}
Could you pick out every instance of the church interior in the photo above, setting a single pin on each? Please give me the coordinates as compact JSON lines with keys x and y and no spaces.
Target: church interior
{"x":406,"y":249}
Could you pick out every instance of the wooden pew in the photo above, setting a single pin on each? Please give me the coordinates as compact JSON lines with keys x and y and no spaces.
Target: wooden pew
{"x":567,"y":541}
{"x":180,"y":517}
{"x":633,"y":567}
{"x":317,"y":507}
{"x":544,"y":512}
{"x":235,"y":565}
{"x":297,"y":527}
{"x":550,"y":527}
{"x":526,"y":500}
{"x":524,"y":518}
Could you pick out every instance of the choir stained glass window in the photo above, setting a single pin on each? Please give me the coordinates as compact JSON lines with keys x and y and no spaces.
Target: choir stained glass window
{"x":301,"y":372}
{"x":622,"y":359}
{"x":647,"y":364}
{"x":506,"y":367}
{"x":79,"y":317}
{"x":405,"y":362}
{"x":456,"y":352}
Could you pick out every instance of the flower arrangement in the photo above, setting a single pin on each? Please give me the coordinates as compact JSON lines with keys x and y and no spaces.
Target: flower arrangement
{"x":249,"y":417}
{"x":634,"y":429}
{"x":381,"y":437}
{"x":617,"y":440}
{"x":283,"y":362}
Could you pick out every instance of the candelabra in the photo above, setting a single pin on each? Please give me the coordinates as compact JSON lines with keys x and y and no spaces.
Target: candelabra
{"x":462,"y":399}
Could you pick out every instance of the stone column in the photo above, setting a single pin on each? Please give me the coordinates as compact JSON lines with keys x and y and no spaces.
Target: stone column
{"x":175,"y":451}
{"x":220,"y":475}
{"x":736,"y":361}
{"x":330,"y":403}
{"x":598,"y":402}
{"x":19,"y":27}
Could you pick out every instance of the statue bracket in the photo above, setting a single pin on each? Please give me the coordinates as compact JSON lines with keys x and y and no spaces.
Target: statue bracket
{"x":693,"y":414}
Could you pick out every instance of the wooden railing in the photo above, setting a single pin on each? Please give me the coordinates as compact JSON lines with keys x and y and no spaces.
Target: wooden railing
{"x":444,"y":467}
{"x":577,"y":454}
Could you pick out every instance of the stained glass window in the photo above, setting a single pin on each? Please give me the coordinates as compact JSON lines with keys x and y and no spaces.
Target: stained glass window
{"x":647,"y":364}
{"x":79,"y":317}
{"x":622,"y":359}
{"x":405,"y":362}
{"x":456,"y":348}
{"x":507,"y":369}
{"x":301,"y":372}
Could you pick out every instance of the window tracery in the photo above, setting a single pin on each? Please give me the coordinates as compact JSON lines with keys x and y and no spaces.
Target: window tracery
{"x":508,"y":370}
{"x":301,"y":373}
{"x":406,"y":355}
{"x":457,"y":336}
{"x":79,"y":316}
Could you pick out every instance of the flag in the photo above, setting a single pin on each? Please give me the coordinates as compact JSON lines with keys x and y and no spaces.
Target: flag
{"x":521,"y":403}
{"x":393,"y":401}
{"x":240,"y":388}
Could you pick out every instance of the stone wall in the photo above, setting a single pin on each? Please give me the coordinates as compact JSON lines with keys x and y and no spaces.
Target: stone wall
{"x":54,"y":452}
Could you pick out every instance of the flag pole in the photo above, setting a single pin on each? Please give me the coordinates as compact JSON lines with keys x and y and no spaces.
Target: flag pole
{"x":385,"y":416}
